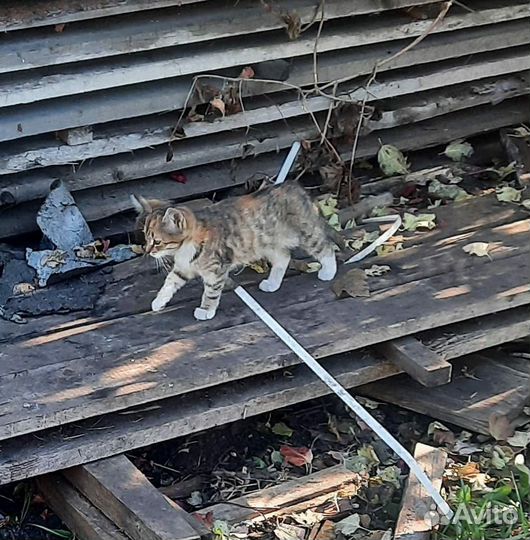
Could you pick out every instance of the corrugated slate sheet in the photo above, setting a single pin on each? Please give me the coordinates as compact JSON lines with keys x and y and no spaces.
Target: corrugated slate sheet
{"x":126,"y":69}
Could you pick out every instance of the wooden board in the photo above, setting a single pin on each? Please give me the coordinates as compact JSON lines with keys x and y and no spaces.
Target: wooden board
{"x":479,"y":219}
{"x":166,"y":28}
{"x":166,"y":95}
{"x":273,"y":499}
{"x":110,"y":366}
{"x":419,"y":361}
{"x":413,"y":520}
{"x":74,"y":79}
{"x":129,"y":500}
{"x":478,"y":334}
{"x":81,"y":517}
{"x":115,"y":433}
{"x":128,"y":136}
{"x":35,"y":13}
{"x":109,"y":200}
{"x":491,"y":384}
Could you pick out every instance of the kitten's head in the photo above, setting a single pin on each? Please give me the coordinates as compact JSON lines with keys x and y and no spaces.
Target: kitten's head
{"x":165,"y":228}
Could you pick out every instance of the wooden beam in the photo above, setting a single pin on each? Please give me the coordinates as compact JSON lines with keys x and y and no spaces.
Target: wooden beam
{"x":499,"y":385}
{"x":74,"y":79}
{"x":167,"y":95}
{"x":413,"y":520}
{"x":128,"y":499}
{"x":181,"y":416}
{"x":420,"y":362}
{"x":80,"y":516}
{"x":15,"y":16}
{"x":479,"y":334}
{"x":166,"y":366}
{"x":280,"y":498}
{"x":112,"y":199}
{"x":120,"y":432}
{"x":166,"y":28}
{"x":133,"y":135}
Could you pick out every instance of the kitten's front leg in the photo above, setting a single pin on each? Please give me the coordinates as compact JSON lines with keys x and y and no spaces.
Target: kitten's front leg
{"x":174,"y":281}
{"x":213,"y":288}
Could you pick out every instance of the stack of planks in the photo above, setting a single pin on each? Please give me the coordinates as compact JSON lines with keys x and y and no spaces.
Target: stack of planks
{"x":82,"y":386}
{"x":90,"y":92}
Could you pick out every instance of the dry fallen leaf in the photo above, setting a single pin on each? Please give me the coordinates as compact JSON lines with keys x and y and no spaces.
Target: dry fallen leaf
{"x":508,"y":194}
{"x":377,"y":270}
{"x":297,"y":456}
{"x":480,"y":249}
{"x":520,"y":439}
{"x":386,"y":249}
{"x":23,"y":289}
{"x":458,"y":150}
{"x":219,"y":104}
{"x":353,"y":284}
{"x":348,"y":526}
{"x":392,"y":161}
{"x":420,"y":221}
{"x":500,"y":426}
{"x":247,"y":73}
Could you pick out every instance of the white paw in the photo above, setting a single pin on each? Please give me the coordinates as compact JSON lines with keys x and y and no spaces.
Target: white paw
{"x":268,"y":286}
{"x":327,"y":274}
{"x":202,"y":314}
{"x":158,"y":305}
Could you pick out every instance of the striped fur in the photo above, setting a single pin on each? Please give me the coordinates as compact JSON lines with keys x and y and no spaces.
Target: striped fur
{"x":209,"y":243}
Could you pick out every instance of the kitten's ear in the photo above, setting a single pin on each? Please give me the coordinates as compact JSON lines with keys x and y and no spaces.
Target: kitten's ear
{"x":178,"y":218}
{"x":141,"y":205}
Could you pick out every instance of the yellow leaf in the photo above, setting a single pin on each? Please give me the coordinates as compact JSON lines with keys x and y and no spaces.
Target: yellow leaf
{"x":458,"y":150}
{"x":508,"y":194}
{"x":386,"y":249}
{"x":480,"y":249}
{"x":392,"y":161}
{"x":420,"y":221}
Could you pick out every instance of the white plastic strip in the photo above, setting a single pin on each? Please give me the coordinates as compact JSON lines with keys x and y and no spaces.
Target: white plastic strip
{"x":346,"y":397}
{"x":391,"y":231}
{"x":288,"y":163}
{"x":324,"y":376}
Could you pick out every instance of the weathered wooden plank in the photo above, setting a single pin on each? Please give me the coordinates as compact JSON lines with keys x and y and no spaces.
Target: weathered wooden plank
{"x":128,"y":499}
{"x":150,"y":162}
{"x":116,"y":433}
{"x":156,"y":364}
{"x":110,"y":200}
{"x":479,"y":334}
{"x":81,"y":517}
{"x":275,"y":498}
{"x":167,"y":28}
{"x":478,"y":219}
{"x":128,"y":136}
{"x":420,"y":362}
{"x":180,"y":416}
{"x":34,"y":13}
{"x":413,"y":522}
{"x":163,"y":64}
{"x":499,"y":385}
{"x":164,"y":95}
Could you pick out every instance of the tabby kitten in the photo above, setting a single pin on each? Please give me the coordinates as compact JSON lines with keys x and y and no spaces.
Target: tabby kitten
{"x":210,"y":242}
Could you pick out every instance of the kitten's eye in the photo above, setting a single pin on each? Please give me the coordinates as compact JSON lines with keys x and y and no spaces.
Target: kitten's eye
{"x":156,"y":242}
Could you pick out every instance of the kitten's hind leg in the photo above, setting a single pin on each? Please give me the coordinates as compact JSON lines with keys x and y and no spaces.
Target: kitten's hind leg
{"x":318,"y":246}
{"x":328,"y":263}
{"x":279,"y":263}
